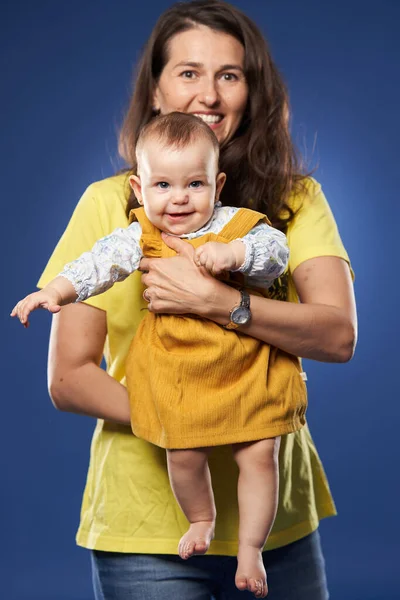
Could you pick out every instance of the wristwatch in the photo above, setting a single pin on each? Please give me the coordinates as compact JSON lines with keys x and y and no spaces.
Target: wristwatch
{"x":240,"y":314}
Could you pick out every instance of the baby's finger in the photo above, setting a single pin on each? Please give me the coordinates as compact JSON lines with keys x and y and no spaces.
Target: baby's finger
{"x":217,"y":270}
{"x":23,"y":317}
{"x":23,"y":313}
{"x":209,"y":264}
{"x":202,"y":260}
{"x":27,"y":306}
{"x":197,"y":255}
{"x":14,"y":311}
{"x":54,"y":308}
{"x":196,"y":258}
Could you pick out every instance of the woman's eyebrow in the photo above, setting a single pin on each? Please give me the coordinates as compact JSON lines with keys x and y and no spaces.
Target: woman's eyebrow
{"x":197,"y":65}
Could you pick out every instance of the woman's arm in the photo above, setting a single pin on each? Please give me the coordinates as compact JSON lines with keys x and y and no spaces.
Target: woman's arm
{"x":76,"y":381}
{"x":323,"y":327}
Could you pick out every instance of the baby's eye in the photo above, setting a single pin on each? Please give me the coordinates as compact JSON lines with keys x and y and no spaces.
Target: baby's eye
{"x":196,"y":184}
{"x":163,"y":185}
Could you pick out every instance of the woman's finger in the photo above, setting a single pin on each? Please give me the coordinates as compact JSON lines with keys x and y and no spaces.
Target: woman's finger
{"x":146,"y":279}
{"x":180,"y":246}
{"x":144,"y":264}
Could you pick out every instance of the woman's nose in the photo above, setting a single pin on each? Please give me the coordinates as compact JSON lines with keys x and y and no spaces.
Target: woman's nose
{"x":209,"y":93}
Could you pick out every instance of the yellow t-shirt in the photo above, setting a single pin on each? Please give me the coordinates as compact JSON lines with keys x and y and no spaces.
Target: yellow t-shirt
{"x":128,"y":505}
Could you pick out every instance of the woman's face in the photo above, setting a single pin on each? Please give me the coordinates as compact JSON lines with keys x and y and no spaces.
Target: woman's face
{"x":204,"y":76}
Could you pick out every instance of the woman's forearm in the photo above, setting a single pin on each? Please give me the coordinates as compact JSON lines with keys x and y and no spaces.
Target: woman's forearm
{"x":323,"y":327}
{"x":317,"y":332}
{"x":76,"y":382}
{"x":89,"y":390}
{"x":312,"y":331}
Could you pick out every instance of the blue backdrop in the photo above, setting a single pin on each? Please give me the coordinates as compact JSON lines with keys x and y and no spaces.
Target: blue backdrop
{"x":66,"y":71}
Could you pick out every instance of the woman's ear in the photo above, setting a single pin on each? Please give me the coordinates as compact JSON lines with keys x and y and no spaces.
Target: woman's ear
{"x":156,"y":103}
{"x":221,"y":178}
{"x":134,"y":182}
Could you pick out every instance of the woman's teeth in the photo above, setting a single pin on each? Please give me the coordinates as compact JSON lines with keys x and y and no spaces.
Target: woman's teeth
{"x":209,"y":118}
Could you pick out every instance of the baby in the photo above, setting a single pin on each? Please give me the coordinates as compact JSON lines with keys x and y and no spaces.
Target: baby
{"x":192,"y":383}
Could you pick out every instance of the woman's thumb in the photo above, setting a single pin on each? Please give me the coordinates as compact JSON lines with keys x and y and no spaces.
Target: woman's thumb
{"x":180,"y":246}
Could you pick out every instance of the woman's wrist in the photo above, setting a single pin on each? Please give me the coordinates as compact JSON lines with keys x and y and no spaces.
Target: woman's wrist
{"x":218,"y":302}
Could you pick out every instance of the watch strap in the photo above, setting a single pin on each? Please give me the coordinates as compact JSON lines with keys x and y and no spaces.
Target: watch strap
{"x":245,"y":302}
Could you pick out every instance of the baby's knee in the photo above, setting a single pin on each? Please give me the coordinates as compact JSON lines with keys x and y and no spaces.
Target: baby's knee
{"x":186,"y":459}
{"x":267,"y":452}
{"x":261,"y":455}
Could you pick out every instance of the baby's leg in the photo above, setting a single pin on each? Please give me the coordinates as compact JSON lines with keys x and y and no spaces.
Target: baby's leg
{"x":258,"y":500}
{"x":190,"y":479}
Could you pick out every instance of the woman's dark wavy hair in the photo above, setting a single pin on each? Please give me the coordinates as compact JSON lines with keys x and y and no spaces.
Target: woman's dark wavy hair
{"x":260,"y":160}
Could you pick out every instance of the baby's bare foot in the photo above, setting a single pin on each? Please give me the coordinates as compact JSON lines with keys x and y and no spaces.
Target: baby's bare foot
{"x":197,"y":539}
{"x":250,"y":574}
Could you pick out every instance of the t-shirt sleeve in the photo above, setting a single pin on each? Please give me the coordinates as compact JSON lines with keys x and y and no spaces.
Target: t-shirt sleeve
{"x":313,"y":231}
{"x":87,"y":224}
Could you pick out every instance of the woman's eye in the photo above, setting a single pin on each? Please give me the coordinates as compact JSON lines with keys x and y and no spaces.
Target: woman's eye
{"x":163,"y":185}
{"x":188,"y":74}
{"x":196,"y":184}
{"x":229,"y":77}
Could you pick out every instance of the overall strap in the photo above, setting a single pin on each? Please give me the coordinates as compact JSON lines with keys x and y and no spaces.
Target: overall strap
{"x":138,"y":214}
{"x":150,"y":240}
{"x":241,"y":223}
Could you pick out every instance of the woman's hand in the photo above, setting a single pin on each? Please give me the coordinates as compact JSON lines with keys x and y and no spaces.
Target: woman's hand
{"x":178,"y":286}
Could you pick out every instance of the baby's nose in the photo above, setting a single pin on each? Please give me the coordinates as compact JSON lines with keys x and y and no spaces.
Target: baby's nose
{"x":180,"y":197}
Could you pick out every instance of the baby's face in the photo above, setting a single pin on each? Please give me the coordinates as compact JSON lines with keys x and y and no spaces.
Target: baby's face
{"x":178,"y":187}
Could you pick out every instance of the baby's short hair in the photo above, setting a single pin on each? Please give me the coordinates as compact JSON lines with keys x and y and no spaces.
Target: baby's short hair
{"x":176,"y":130}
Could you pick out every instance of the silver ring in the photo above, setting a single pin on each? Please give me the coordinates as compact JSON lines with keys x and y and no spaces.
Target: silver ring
{"x":146,"y":295}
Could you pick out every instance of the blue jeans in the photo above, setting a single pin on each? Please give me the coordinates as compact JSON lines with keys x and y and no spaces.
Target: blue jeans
{"x":295,"y":572}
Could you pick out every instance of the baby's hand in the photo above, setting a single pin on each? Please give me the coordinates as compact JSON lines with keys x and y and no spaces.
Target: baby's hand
{"x":217,"y":257}
{"x":49,"y":299}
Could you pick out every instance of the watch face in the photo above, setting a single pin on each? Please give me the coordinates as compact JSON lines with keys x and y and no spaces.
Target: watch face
{"x":241,"y":315}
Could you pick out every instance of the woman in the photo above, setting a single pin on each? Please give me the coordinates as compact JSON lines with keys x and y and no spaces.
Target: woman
{"x":208,"y":59}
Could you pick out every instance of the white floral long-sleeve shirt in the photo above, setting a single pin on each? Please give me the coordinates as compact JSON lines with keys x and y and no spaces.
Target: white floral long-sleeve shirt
{"x":117,"y":255}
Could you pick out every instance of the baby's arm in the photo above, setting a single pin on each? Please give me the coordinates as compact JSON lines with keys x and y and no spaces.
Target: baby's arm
{"x":111,"y":259}
{"x":267,"y":254}
{"x":262,"y":254}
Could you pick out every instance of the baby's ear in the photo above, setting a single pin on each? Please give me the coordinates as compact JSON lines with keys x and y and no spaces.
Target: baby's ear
{"x":134,"y":182}
{"x":221,"y":178}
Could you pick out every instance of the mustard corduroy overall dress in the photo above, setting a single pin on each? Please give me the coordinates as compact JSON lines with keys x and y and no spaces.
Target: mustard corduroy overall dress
{"x":193,"y":383}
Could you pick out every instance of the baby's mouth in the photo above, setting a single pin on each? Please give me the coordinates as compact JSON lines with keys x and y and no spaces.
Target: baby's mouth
{"x":178,"y":216}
